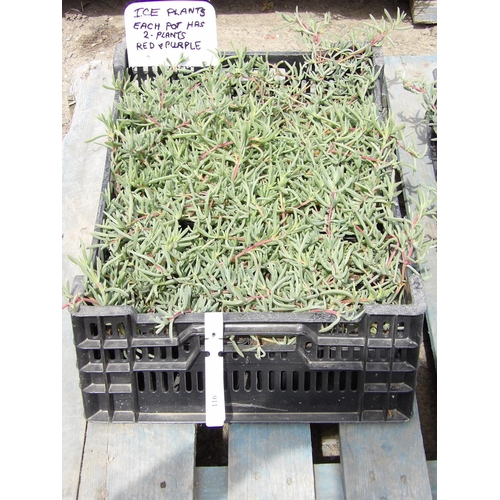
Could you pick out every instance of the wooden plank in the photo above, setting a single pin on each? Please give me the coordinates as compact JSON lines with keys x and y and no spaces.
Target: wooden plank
{"x":73,"y":421}
{"x":408,"y":110}
{"x":269,"y":461}
{"x":432,"y":469}
{"x":328,"y":481}
{"x":83,"y":163}
{"x":138,"y":461}
{"x":384,"y":461}
{"x":210,"y":483}
{"x":82,"y":170}
{"x":423,"y":11}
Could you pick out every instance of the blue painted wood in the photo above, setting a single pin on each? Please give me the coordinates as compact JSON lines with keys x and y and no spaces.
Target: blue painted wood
{"x":138,"y":461}
{"x":328,"y":480}
{"x":210,"y":483}
{"x":384,"y":461}
{"x":270,"y":461}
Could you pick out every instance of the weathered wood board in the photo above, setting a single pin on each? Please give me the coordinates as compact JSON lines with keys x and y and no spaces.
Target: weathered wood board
{"x":384,"y":461}
{"x":211,"y":482}
{"x":423,"y":11}
{"x":138,"y":461}
{"x":268,"y":461}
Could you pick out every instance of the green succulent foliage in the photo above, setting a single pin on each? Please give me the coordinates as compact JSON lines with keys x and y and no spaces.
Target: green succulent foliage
{"x":249,"y":186}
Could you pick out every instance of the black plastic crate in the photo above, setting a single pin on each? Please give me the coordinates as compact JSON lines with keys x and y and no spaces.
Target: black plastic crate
{"x":359,"y":371}
{"x":363,"y":370}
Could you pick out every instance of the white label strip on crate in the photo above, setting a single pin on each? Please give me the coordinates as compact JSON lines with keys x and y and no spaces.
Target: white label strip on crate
{"x":163,"y":32}
{"x":214,"y":370}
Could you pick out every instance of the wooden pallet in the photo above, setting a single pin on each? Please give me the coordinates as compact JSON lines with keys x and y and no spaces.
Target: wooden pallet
{"x":423,"y":11}
{"x":150,"y":461}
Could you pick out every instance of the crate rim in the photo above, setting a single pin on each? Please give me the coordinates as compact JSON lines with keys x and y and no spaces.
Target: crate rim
{"x":416,"y":307}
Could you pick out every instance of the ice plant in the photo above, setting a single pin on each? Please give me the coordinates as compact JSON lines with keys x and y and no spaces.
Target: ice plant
{"x":254,"y":186}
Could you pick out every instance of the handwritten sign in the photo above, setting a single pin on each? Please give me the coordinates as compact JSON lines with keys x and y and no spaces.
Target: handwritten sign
{"x":160,"y":32}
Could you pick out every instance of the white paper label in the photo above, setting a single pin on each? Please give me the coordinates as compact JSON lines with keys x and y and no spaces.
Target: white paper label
{"x":214,"y":370}
{"x":161,"y":31}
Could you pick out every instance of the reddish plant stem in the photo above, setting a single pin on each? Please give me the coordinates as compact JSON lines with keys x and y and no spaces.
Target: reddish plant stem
{"x":283,"y":212}
{"x":215,"y":148}
{"x":378,"y":38}
{"x":194,"y":86}
{"x":252,"y":247}
{"x":329,"y":311}
{"x":151,"y":119}
{"x":330,"y":211}
{"x":415,"y":88}
{"x":183,"y":124}
{"x":81,"y":299}
{"x":393,"y":254}
{"x":236,"y":168}
{"x":179,"y":313}
{"x":370,"y":158}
